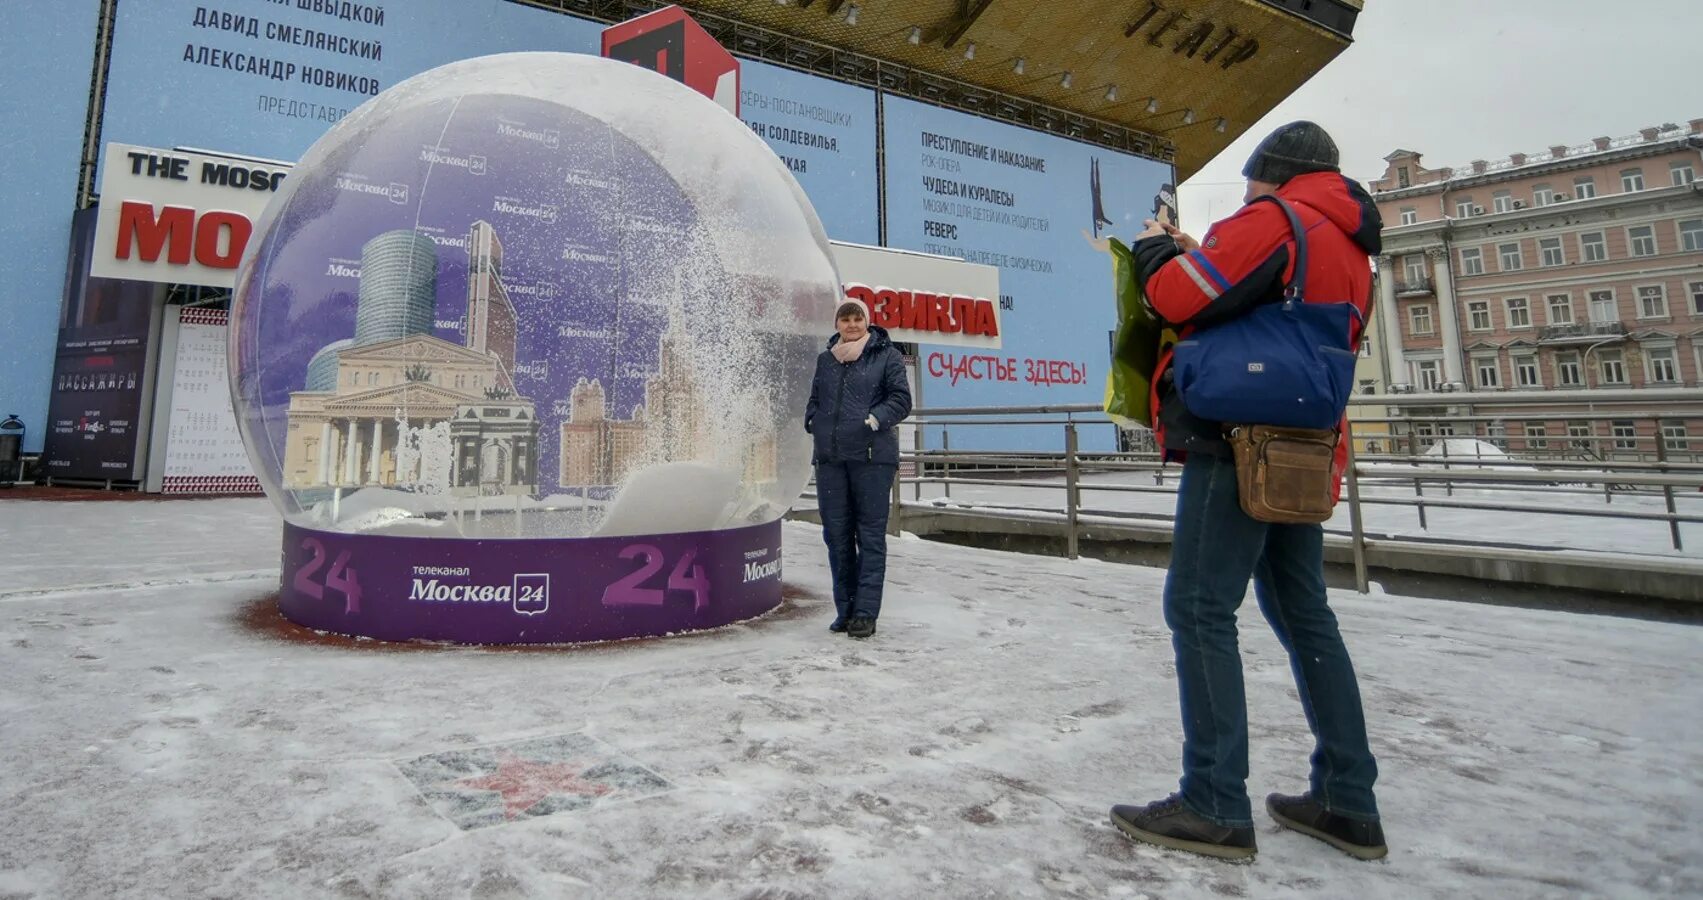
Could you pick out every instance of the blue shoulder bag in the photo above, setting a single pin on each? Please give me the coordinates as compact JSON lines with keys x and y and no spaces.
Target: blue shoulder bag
{"x":1287,"y":363}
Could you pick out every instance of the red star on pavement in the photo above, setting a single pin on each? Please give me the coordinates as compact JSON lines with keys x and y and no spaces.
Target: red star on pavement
{"x":523,"y":783}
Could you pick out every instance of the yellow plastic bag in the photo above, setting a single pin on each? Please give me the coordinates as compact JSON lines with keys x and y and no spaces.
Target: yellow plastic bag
{"x":1141,"y":338}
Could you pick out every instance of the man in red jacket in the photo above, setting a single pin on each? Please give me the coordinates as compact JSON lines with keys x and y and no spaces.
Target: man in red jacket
{"x":1245,"y":261}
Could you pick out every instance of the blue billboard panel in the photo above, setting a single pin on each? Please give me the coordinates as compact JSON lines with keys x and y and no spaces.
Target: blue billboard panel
{"x":47,"y":52}
{"x":1034,"y":205}
{"x":267,"y":79}
{"x":825,"y":133}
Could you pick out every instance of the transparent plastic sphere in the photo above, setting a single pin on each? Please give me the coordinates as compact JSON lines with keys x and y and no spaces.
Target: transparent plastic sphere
{"x":532,"y":295}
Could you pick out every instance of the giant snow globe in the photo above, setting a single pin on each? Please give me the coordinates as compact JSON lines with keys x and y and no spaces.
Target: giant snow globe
{"x":520,"y":351}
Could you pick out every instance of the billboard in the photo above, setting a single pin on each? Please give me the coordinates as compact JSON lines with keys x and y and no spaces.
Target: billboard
{"x":673,"y":44}
{"x":923,"y":299}
{"x":178,"y":218}
{"x":47,"y":52}
{"x":267,"y":79}
{"x":825,"y":133}
{"x":1036,"y":206}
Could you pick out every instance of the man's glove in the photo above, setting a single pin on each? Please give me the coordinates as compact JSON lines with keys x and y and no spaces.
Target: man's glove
{"x":872,"y":422}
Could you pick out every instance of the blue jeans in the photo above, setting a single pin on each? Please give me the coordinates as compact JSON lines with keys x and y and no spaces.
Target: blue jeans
{"x":1216,"y":548}
{"x":854,"y":499}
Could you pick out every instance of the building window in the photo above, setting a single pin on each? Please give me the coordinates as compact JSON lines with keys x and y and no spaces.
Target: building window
{"x":1413,"y":267}
{"x":1426,"y":376}
{"x":1510,"y":255}
{"x":1402,"y":178}
{"x":1611,"y":367}
{"x":1584,"y":187}
{"x":1631,"y":180}
{"x":1579,"y":435}
{"x":1526,"y":372}
{"x":1661,"y":365}
{"x":1489,"y":371}
{"x":1535,"y":437}
{"x":1643,"y":240}
{"x":1463,"y":208}
{"x":1674,"y":436}
{"x":1519,"y":312}
{"x":1550,"y":249}
{"x":1368,"y":386}
{"x":1691,"y":235}
{"x":1420,"y":315}
{"x":1478,"y":314}
{"x":1681,"y":173}
{"x":1696,"y":289}
{"x":1593,"y":247}
{"x":1365,"y":346}
{"x":1472,"y":261}
{"x":1543,"y":195}
{"x":1567,"y":371}
{"x":1560,"y":309}
{"x":1625,"y":434}
{"x":1603,"y":307}
{"x":1503,"y":202}
{"x":1409,"y":216}
{"x":372,"y":379}
{"x":1652,"y":301}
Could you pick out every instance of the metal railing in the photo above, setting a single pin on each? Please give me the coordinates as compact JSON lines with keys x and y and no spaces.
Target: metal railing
{"x":1436,"y":444}
{"x":1582,"y":331}
{"x":1408,"y":287}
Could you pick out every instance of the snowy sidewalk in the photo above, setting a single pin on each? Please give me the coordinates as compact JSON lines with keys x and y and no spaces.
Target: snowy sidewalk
{"x":153,"y":743}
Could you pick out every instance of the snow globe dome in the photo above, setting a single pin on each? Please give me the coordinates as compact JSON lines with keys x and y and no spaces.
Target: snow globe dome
{"x":532,"y":295}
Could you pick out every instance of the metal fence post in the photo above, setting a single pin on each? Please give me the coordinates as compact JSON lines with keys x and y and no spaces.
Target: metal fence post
{"x":1667,"y":489}
{"x":1418,"y":486}
{"x":946,"y":467}
{"x":1356,"y":523}
{"x":1072,"y":478}
{"x":919,"y":467}
{"x":898,"y":509}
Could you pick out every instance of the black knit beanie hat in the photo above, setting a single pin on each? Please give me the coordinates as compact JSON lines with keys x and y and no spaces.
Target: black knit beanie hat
{"x":1294,"y":149}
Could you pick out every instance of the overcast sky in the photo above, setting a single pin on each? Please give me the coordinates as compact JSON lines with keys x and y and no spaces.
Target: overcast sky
{"x":1459,"y":80}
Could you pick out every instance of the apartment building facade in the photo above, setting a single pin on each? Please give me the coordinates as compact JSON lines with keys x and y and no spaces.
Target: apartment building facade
{"x":1577,"y":268}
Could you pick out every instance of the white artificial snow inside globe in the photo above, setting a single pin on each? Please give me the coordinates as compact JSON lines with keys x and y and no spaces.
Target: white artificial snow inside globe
{"x":532,"y":295}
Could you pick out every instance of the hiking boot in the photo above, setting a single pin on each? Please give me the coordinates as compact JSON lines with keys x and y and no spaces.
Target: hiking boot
{"x":860,"y":627}
{"x":1168,"y":823}
{"x":1358,"y":838}
{"x":837,"y":626}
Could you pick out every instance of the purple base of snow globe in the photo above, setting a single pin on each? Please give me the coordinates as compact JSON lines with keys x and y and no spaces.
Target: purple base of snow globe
{"x":507,"y":591}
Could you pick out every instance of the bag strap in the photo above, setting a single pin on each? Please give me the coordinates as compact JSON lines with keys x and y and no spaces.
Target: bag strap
{"x":1297,"y":286}
{"x":1296,"y":289}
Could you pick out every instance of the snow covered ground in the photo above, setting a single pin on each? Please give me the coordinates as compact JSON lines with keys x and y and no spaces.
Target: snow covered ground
{"x":1496,"y":526}
{"x":155,"y":743}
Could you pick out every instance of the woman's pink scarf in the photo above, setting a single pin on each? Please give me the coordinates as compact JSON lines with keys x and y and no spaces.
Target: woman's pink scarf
{"x":848,"y":351}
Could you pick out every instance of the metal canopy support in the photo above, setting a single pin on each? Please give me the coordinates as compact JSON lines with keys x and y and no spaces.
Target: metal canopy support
{"x":960,"y":23}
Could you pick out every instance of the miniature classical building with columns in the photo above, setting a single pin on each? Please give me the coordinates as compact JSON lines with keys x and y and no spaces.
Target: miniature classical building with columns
{"x":398,"y":406}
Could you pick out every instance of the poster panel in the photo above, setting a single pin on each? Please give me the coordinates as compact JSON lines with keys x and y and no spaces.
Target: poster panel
{"x":1037,"y":206}
{"x":268,"y":78}
{"x":47,"y":54}
{"x":204,"y":450}
{"x":824,"y":131}
{"x":102,"y":370}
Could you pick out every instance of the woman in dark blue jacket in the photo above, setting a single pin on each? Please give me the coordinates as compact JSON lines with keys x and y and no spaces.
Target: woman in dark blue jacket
{"x":857,"y":400}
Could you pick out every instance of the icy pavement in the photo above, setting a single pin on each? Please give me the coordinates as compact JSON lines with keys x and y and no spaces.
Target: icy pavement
{"x":154,"y":743}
